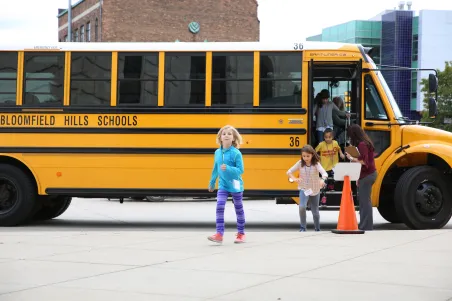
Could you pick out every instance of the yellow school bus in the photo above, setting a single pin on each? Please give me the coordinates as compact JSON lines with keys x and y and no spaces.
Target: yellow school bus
{"x":140,"y":119}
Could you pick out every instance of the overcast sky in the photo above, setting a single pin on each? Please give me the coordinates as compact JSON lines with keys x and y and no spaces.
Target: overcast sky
{"x":291,"y":20}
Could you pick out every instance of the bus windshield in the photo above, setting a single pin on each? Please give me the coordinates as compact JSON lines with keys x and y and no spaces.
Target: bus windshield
{"x":395,"y":107}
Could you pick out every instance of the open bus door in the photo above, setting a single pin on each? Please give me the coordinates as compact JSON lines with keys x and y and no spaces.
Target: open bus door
{"x":342,"y":79}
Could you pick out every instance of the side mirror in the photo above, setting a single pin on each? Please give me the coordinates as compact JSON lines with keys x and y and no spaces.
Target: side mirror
{"x":432,"y":110}
{"x":432,"y":83}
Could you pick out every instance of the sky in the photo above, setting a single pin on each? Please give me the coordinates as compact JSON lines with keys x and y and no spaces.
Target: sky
{"x":281,"y":20}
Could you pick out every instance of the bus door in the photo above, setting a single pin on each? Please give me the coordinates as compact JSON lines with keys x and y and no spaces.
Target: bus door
{"x":343,"y":82}
{"x":341,"y":79}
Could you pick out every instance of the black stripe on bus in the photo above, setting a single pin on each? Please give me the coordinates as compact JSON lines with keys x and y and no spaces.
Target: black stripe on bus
{"x":143,"y":150}
{"x":154,"y":110}
{"x":126,"y":192}
{"x":59,"y":130}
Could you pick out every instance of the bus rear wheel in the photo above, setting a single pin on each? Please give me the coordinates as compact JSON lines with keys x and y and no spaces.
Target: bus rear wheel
{"x":52,"y":207}
{"x":17,"y":196}
{"x":423,"y":198}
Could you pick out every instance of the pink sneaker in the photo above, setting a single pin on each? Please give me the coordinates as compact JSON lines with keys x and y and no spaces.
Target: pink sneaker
{"x":218,"y":238}
{"x":240,"y":238}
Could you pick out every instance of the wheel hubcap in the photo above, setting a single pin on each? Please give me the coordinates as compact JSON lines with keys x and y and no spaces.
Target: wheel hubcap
{"x":8,"y":195}
{"x":429,"y":199}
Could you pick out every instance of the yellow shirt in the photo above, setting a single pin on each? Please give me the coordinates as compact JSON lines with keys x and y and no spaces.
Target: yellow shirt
{"x":329,"y":154}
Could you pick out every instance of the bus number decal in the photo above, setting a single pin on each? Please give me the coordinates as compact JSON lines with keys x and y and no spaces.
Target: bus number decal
{"x":294,"y":141}
{"x":298,"y":46}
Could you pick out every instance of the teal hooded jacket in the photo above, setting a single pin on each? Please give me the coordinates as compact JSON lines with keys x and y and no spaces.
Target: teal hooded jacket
{"x":231,"y":178}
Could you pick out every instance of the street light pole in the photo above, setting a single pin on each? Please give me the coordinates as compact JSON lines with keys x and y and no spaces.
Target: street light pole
{"x":69,"y":21}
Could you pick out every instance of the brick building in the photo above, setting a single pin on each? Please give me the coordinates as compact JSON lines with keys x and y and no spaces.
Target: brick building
{"x":161,"y":21}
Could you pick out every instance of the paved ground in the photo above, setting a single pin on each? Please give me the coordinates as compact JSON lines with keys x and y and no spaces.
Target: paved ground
{"x":139,"y":251}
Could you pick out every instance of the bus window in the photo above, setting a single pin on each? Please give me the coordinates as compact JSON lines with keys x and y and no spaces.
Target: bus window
{"x":232,"y":79}
{"x":374,"y":109}
{"x":138,"y":79}
{"x":8,"y":78}
{"x":185,"y":79}
{"x":90,"y":79}
{"x":44,"y":79}
{"x":280,"y":79}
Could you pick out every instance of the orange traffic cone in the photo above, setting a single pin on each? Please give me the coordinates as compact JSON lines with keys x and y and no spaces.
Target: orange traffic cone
{"x":347,"y":223}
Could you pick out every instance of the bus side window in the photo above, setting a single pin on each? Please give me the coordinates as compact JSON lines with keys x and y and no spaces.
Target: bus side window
{"x":44,"y":79}
{"x":138,"y":79}
{"x":374,"y":109}
{"x":185,"y":79}
{"x":280,"y":79}
{"x":90,"y":78}
{"x":8,"y":78}
{"x":232,"y":79}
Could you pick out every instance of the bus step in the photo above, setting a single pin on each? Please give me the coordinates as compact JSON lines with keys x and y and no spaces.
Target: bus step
{"x":333,"y":192}
{"x":331,"y":208}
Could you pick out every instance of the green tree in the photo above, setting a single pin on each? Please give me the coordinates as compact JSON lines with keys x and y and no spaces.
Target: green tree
{"x":444,"y":100}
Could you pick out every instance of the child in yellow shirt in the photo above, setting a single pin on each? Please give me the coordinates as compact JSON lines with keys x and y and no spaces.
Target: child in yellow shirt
{"x":329,"y":151}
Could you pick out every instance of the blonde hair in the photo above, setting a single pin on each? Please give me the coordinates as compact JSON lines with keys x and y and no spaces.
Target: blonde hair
{"x":237,"y":138}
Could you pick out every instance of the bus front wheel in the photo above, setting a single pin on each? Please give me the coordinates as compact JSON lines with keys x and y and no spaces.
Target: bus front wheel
{"x":52,"y":208}
{"x":387,"y":210}
{"x":423,"y":198}
{"x":17,"y":195}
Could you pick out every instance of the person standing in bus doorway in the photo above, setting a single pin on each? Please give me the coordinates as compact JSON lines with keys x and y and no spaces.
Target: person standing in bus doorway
{"x":309,"y":184}
{"x":329,"y":152}
{"x":228,"y":166}
{"x":323,"y":113}
{"x":368,"y":175}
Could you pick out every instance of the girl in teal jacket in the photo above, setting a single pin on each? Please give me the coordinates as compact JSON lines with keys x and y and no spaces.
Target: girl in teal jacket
{"x":228,"y":166}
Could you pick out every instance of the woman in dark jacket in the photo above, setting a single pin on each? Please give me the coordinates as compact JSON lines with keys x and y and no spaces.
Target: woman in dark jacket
{"x":367,"y":176}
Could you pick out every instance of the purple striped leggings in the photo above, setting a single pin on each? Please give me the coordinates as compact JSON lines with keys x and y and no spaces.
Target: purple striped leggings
{"x":222,"y":197}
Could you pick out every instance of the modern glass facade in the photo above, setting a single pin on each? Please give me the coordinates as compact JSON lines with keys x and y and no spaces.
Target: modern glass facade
{"x":414,"y":63}
{"x":367,"y":33}
{"x":394,"y":39}
{"x":396,"y":50}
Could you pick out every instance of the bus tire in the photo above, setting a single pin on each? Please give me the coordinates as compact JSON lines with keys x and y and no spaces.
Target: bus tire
{"x":17,"y":196}
{"x":388,"y":211}
{"x":423,"y":198}
{"x":53,"y":208}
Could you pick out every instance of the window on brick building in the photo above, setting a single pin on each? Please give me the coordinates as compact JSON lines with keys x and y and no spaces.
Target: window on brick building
{"x":96,"y":30}
{"x":185,"y":79}
{"x":280,"y":79}
{"x":65,"y":38}
{"x":232,"y":79}
{"x":8,"y":78}
{"x":82,"y":33}
{"x":76,"y":35}
{"x":88,"y":32}
{"x":44,"y":79}
{"x":90,"y":79}
{"x":138,"y":79}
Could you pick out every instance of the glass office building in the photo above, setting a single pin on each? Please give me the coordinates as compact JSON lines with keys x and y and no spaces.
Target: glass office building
{"x":395,"y":37}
